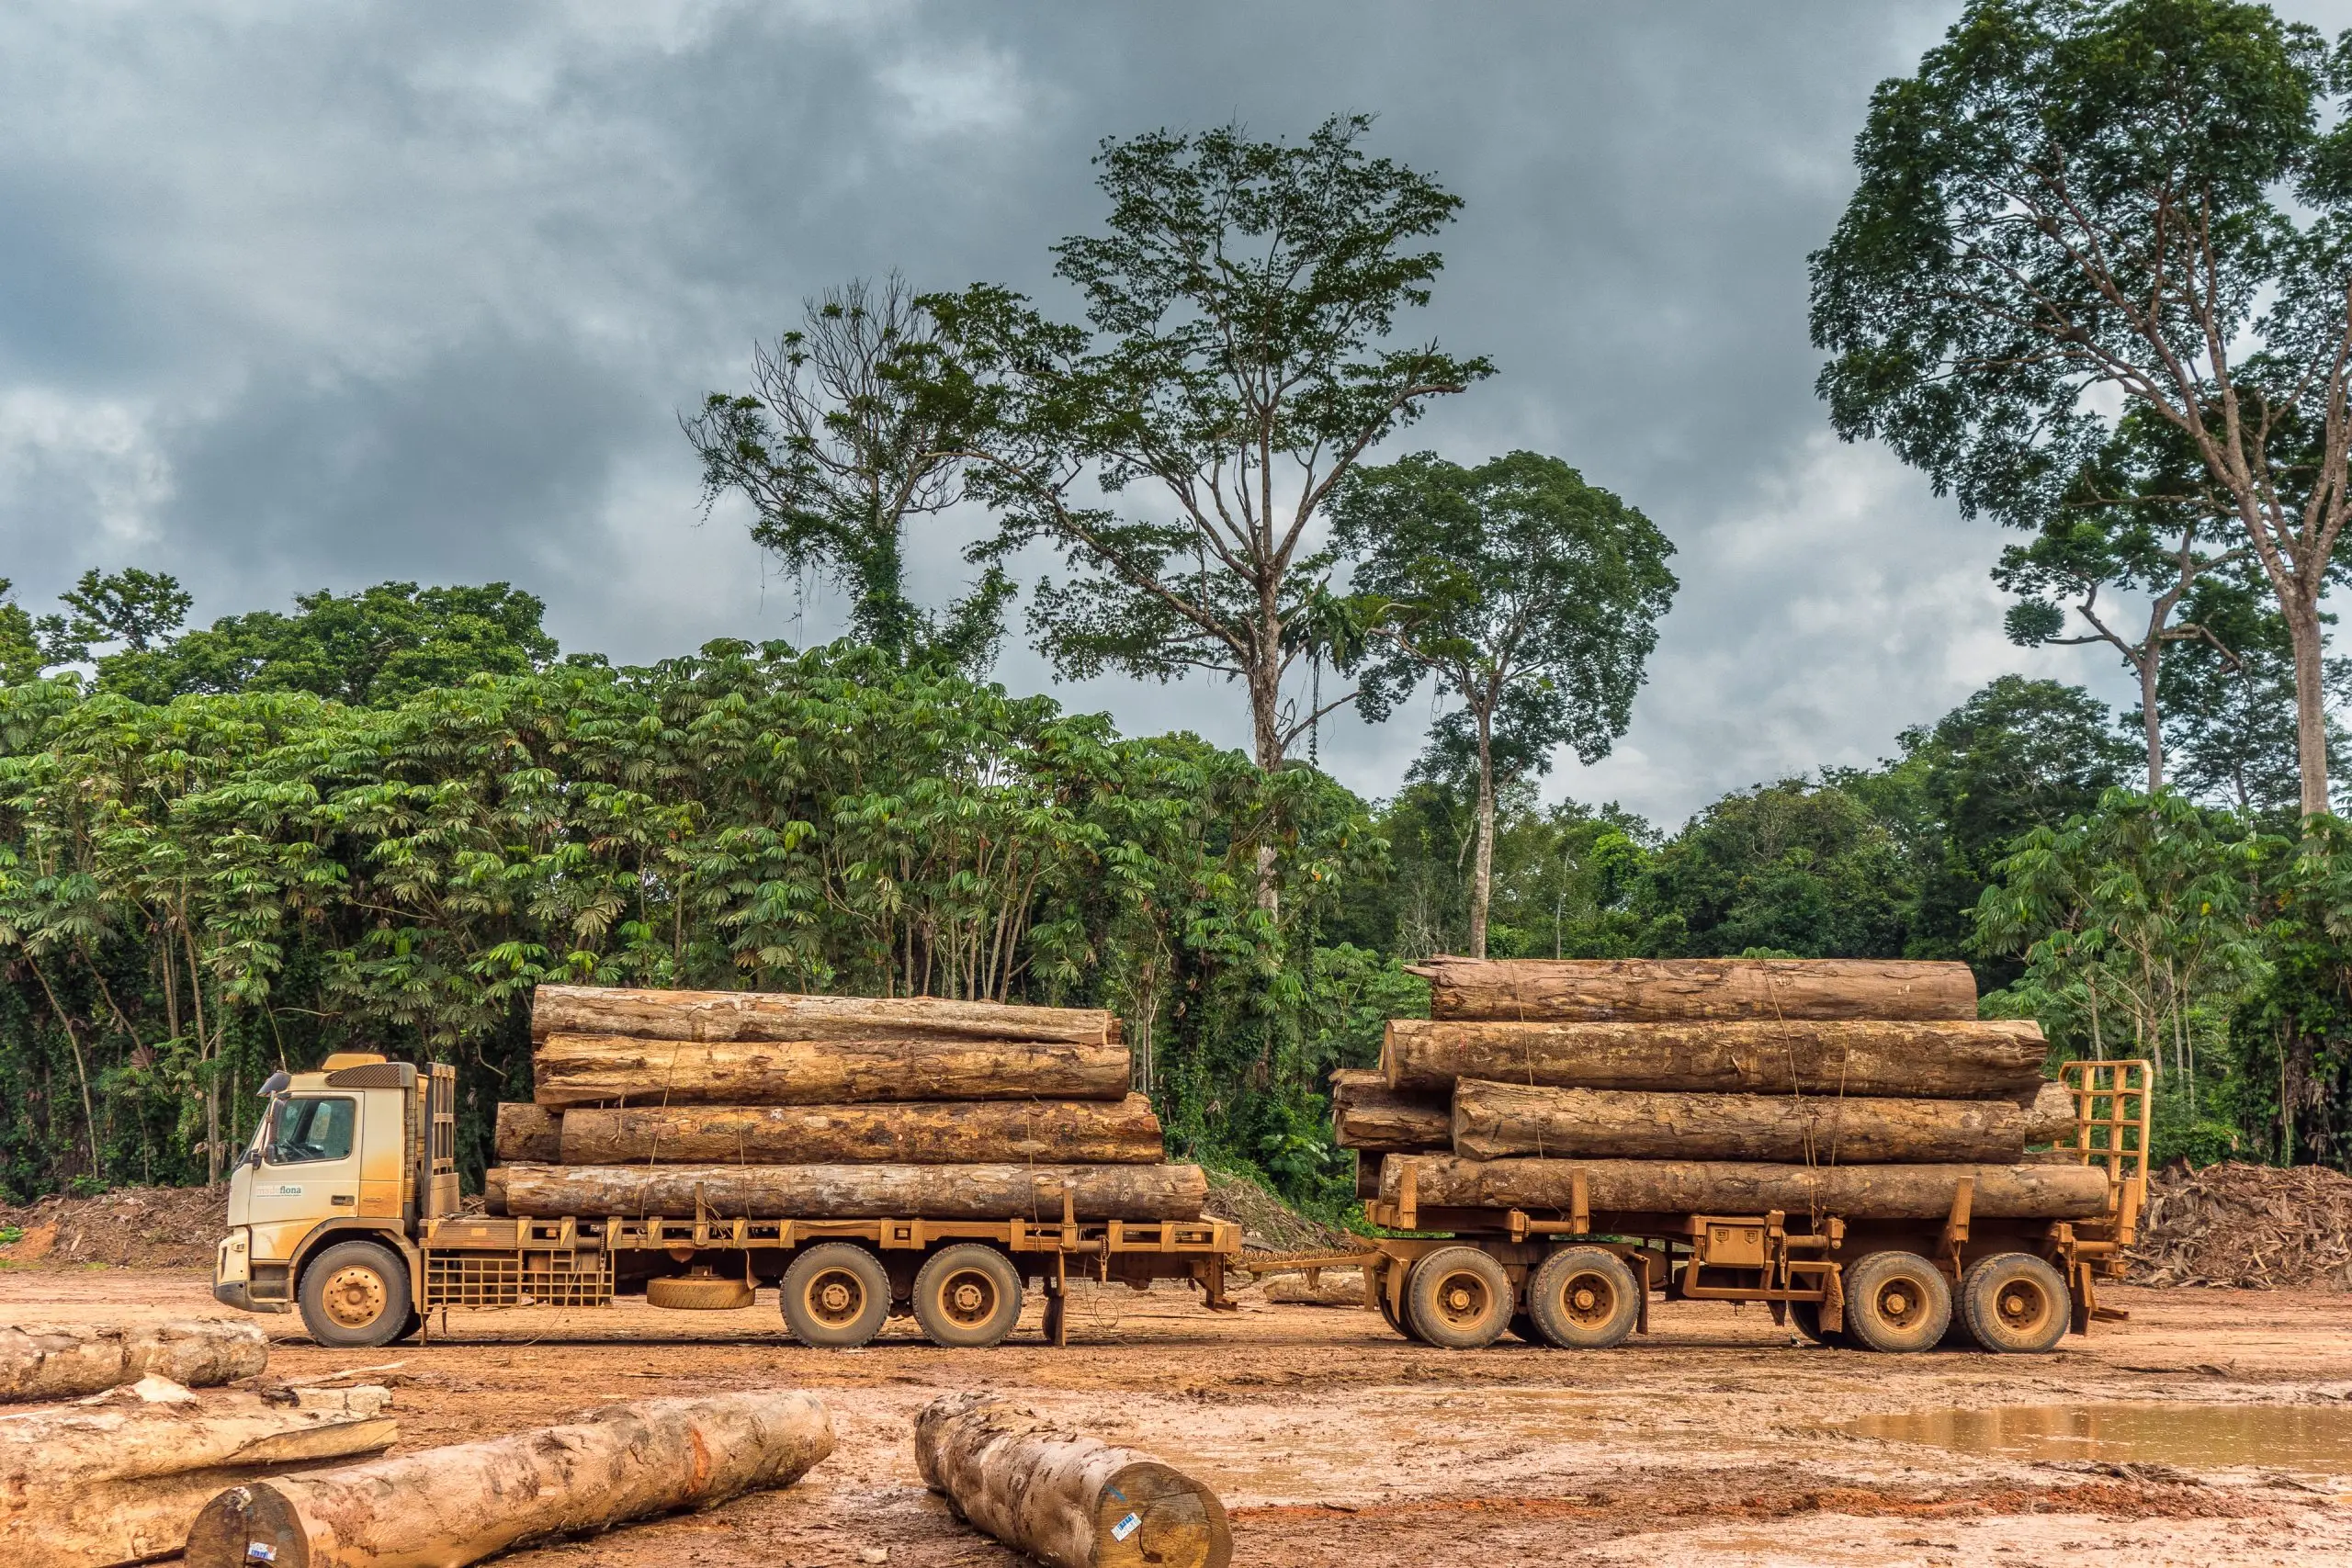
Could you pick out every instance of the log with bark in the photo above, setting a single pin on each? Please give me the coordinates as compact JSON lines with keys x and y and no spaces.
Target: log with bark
{"x":62,"y":1361}
{"x":857,"y":1191}
{"x":1985,"y":1059}
{"x":439,"y":1507}
{"x":528,"y":1132}
{"x":588,"y":1069}
{"x":91,"y":1484}
{"x":2021,"y":1192}
{"x":778,"y":1016}
{"x":1068,"y":1500}
{"x":1673,"y":990}
{"x":1366,"y":1114}
{"x":1497,"y":1120}
{"x":1008,"y":1132}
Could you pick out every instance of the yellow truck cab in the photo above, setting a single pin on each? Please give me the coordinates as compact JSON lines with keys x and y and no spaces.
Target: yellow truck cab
{"x":348,"y":1167}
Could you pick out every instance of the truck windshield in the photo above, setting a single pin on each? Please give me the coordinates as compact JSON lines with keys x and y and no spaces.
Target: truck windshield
{"x":312,"y":1129}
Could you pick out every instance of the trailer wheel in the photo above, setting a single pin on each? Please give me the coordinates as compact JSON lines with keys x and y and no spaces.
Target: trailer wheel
{"x":967,"y":1296}
{"x":1806,"y":1317}
{"x":835,"y":1295}
{"x":1897,"y":1302}
{"x":1388,"y":1314}
{"x":1584,"y":1298}
{"x":2015,"y":1303}
{"x":355,"y":1295}
{"x":1458,"y":1299}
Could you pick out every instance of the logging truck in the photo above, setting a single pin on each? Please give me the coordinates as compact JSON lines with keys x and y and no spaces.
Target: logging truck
{"x":346,"y":1208}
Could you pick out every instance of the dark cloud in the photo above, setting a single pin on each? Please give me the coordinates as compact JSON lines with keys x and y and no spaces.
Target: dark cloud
{"x":293,"y":296}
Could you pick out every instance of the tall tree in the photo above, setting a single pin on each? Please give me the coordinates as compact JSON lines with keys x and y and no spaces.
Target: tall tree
{"x":846,"y":438}
{"x":1239,"y":354}
{"x":2082,"y":204}
{"x":138,"y":610}
{"x":1530,"y":595}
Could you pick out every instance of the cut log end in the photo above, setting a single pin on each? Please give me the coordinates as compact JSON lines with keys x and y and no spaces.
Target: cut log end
{"x":247,"y":1525}
{"x":1149,"y":1513}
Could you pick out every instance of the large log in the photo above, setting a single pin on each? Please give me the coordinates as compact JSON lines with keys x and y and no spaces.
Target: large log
{"x":1675,"y":991}
{"x":858,"y":1192}
{"x":1497,"y":1120}
{"x":2019,"y":1191}
{"x":1366,"y":1114}
{"x":440,"y":1507}
{"x":1953,"y":1060}
{"x":528,"y":1131}
{"x":87,"y":1485}
{"x":1008,"y":1132}
{"x":780,"y":1016}
{"x":1069,"y":1501}
{"x":587,"y":1069}
{"x":60,"y":1361}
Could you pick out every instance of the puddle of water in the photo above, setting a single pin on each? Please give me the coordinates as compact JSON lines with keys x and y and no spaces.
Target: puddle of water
{"x":2284,"y":1437}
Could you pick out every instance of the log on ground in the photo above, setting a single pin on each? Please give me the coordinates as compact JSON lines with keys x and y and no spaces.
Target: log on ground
{"x":1500,"y":1120}
{"x":2019,"y":1191}
{"x":62,"y":1360}
{"x":529,"y":1133}
{"x":1985,"y":1059}
{"x":1068,"y":1500}
{"x":858,"y":1192}
{"x":442,"y":1506}
{"x":1673,"y":990}
{"x":785,"y":1016}
{"x":1009,"y":1132}
{"x":588,"y":1069}
{"x":1367,"y":1115}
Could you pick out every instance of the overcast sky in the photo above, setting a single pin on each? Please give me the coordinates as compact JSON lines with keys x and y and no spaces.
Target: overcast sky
{"x":296,"y":296}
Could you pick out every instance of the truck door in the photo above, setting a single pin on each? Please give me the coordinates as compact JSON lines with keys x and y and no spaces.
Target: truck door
{"x":309,"y":1171}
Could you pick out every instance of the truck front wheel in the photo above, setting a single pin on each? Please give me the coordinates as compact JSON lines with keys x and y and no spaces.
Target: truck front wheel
{"x":355,"y":1295}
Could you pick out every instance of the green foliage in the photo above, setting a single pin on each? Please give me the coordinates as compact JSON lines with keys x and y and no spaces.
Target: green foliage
{"x":1796,"y":867}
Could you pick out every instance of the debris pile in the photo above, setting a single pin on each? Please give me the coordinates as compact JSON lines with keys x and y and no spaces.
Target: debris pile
{"x":130,"y":1227}
{"x":2251,"y":1226}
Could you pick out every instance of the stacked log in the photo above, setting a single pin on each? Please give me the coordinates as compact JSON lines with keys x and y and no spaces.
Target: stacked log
{"x":756,"y":1104}
{"x":1715,"y":1086}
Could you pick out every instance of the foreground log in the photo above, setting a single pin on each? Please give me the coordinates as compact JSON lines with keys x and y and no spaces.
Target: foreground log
{"x":62,"y":1361}
{"x":1067,"y":1500}
{"x":1675,"y":991}
{"x":587,"y":1069}
{"x":1972,"y":1060}
{"x":122,"y":1481}
{"x":528,"y":1132}
{"x":1497,"y":1120}
{"x":442,"y":1507}
{"x":1061,"y":1131}
{"x":2019,"y":1191}
{"x":1367,"y":1115}
{"x":782,"y":1016}
{"x":858,"y":1192}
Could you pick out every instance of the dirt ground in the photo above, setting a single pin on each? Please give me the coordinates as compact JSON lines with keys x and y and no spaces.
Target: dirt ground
{"x":1336,"y":1445}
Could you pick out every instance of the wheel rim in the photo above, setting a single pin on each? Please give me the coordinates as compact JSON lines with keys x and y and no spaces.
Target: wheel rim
{"x":1900,"y":1303}
{"x":834,"y":1298}
{"x":1589,"y":1300}
{"x":354,"y":1296}
{"x":967,"y":1298}
{"x":1464,"y":1301}
{"x":2021,"y":1306}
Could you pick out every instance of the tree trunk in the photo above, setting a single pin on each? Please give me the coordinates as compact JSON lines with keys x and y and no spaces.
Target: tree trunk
{"x":66,"y":1360}
{"x":2021,"y":1192}
{"x":790,"y":1019}
{"x":1673,"y":990}
{"x":1482,"y":875}
{"x":87,"y":1485}
{"x":858,"y":1192}
{"x":528,"y":1133}
{"x":1980,"y":1060}
{"x":2147,"y":664}
{"x":1065,"y":1500}
{"x":585,"y":1069}
{"x":1079,"y":1132}
{"x":444,"y":1506}
{"x":2307,"y":635}
{"x":1497,"y":1120}
{"x":1367,"y":1115}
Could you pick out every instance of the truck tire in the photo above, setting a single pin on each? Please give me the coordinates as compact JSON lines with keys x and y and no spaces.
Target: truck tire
{"x":1584,"y":1298}
{"x":1805,"y":1319}
{"x":1458,"y":1298}
{"x":835,"y":1296}
{"x":698,"y":1291}
{"x":355,"y":1295}
{"x":967,"y":1296}
{"x":1896,"y":1302}
{"x":1388,"y":1314}
{"x":2015,"y":1303}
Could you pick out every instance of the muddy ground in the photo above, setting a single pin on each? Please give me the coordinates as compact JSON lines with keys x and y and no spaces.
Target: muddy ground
{"x":1717,"y":1439}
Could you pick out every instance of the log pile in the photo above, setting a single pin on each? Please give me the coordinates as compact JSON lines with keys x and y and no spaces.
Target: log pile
{"x":766,"y":1105}
{"x":1712,"y":1086}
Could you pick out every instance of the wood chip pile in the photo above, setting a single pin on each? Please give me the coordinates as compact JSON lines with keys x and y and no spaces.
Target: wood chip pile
{"x":2252,"y":1227}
